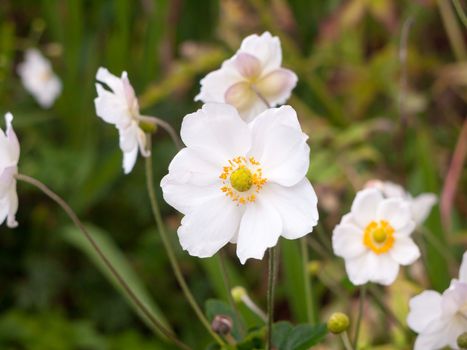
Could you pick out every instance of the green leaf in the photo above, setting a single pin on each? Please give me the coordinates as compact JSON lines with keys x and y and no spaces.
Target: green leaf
{"x":285,"y":336}
{"x":73,"y":236}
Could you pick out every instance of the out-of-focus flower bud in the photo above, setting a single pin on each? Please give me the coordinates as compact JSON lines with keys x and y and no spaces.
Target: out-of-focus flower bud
{"x":238,"y":293}
{"x":313,"y":267}
{"x":222,"y":324}
{"x":462,"y":341}
{"x":338,"y":323}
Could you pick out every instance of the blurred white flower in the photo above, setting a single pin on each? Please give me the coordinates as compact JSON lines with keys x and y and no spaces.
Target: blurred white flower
{"x":440,"y":318}
{"x":9,"y":156}
{"x":254,"y":70}
{"x":120,"y":108}
{"x":241,"y":183}
{"x":39,"y":79}
{"x":374,"y":238}
{"x":420,"y":206}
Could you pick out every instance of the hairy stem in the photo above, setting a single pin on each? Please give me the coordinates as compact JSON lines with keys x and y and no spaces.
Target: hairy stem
{"x":346,"y":341}
{"x":360,"y":315}
{"x":307,"y":280}
{"x":270,"y":295}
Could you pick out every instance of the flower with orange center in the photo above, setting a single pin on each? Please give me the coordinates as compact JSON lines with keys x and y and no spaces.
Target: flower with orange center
{"x":374,"y":238}
{"x":240,"y":182}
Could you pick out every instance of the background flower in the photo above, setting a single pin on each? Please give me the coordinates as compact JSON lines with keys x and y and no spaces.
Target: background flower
{"x":374,"y":238}
{"x":39,"y":79}
{"x":241,"y":183}
{"x":252,"y":74}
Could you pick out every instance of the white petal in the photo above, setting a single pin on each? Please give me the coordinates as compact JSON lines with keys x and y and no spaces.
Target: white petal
{"x":365,"y":205}
{"x":454,"y":298}
{"x":112,"y":81}
{"x":421,"y":206}
{"x":12,"y":207}
{"x":396,"y":211}
{"x":391,"y":190}
{"x":280,"y":147}
{"x":297,"y":206}
{"x":386,"y":270}
{"x":424,"y":309}
{"x":404,"y":251}
{"x":463,"y":269}
{"x":112,"y":108}
{"x":431,"y":341}
{"x":129,"y":159}
{"x":361,"y":269}
{"x":407,"y":230}
{"x":260,"y":229}
{"x":7,"y":180}
{"x":217,"y":129}
{"x":347,"y":241}
{"x":209,"y":227}
{"x":266,"y":48}
{"x":277,"y":86}
{"x":215,"y":84}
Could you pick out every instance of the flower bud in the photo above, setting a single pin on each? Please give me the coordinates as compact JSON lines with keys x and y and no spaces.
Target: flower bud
{"x":222,"y":324}
{"x":338,"y":323}
{"x":238,"y":293}
{"x":462,"y":341}
{"x":147,"y":127}
{"x":313,"y":267}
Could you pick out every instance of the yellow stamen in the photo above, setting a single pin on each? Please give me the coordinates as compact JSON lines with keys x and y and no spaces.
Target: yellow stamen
{"x":379,"y":236}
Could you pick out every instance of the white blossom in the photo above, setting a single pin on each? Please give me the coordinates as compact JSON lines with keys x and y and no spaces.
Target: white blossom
{"x":374,"y":238}
{"x":119,"y":107}
{"x":252,"y":74}
{"x":241,"y":183}
{"x":39,"y":79}
{"x":440,"y":318}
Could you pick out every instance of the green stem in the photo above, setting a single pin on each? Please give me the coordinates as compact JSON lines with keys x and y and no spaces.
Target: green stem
{"x":307,"y":280}
{"x":452,"y":30}
{"x":460,"y":11}
{"x":360,"y":315}
{"x":270,"y":295}
{"x":228,"y":287}
{"x":168,"y":247}
{"x":346,"y":341}
{"x":120,"y":280}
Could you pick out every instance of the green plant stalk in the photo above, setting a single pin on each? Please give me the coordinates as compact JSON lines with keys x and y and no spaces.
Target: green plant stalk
{"x":270,"y":295}
{"x":168,"y":247}
{"x":346,"y":341}
{"x":228,"y":287}
{"x":452,"y":29}
{"x":307,"y":280}
{"x":72,"y":215}
{"x":460,"y":12}
{"x":360,"y":315}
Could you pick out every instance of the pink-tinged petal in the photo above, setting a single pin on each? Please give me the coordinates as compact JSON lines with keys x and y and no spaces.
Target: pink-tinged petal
{"x":14,"y":148}
{"x":142,"y":143}
{"x":277,"y":86}
{"x":217,"y":130}
{"x":396,"y":211}
{"x":463,"y":269}
{"x":12,"y":206}
{"x":297,"y":206}
{"x":421,"y":206}
{"x":266,"y":48}
{"x":215,"y":84}
{"x":386,"y":270}
{"x":253,"y":111}
{"x":454,"y":298}
{"x":404,"y":250}
{"x":365,"y":205}
{"x":433,"y":341}
{"x":347,"y":241}
{"x":209,"y":226}
{"x":260,"y":228}
{"x":7,"y":179}
{"x":129,"y":92}
{"x":280,"y":146}
{"x":362,"y":268}
{"x":241,"y":96}
{"x":425,"y":308}
{"x":247,"y":65}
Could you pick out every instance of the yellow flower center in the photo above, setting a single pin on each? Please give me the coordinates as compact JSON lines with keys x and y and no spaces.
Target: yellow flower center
{"x":379,"y":236}
{"x":242,"y":179}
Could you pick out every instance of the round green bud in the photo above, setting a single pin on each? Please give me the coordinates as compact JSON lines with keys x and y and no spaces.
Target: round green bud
{"x":338,"y":323}
{"x":462,"y":341}
{"x":238,"y":293}
{"x":313,"y":267}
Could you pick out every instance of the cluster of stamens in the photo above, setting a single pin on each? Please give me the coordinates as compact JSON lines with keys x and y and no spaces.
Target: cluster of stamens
{"x":242,"y":179}
{"x":379,"y":236}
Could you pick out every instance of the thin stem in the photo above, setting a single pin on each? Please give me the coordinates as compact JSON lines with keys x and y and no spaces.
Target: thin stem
{"x":453,"y":31}
{"x":168,"y":247}
{"x":254,"y":308}
{"x":307,"y":280}
{"x":360,"y":315}
{"x":403,"y":83}
{"x":460,"y":11}
{"x":270,"y":295}
{"x":346,"y":341}
{"x":384,"y":308}
{"x":125,"y":286}
{"x":164,"y":125}
{"x":260,"y":96}
{"x":228,"y":287}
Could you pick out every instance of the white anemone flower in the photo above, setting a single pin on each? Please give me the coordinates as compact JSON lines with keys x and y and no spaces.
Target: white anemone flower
{"x":39,"y":79}
{"x":420,"y":206}
{"x":241,"y":183}
{"x":9,"y":156}
{"x":254,"y":73}
{"x":374,"y":238}
{"x":439,"y":319}
{"x":120,"y":108}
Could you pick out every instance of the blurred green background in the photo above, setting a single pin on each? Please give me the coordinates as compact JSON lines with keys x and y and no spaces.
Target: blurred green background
{"x":368,"y":114}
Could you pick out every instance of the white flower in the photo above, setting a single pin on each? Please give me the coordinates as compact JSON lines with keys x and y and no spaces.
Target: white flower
{"x":9,"y":156}
{"x":120,"y":108}
{"x":241,"y":183}
{"x":374,"y":238}
{"x":440,"y":318}
{"x":39,"y":79}
{"x":254,"y":69}
{"x":420,"y":206}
